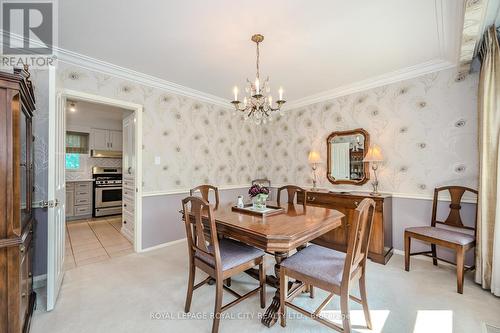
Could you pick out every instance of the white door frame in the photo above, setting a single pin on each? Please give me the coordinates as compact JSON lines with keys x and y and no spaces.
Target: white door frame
{"x":137,"y":109}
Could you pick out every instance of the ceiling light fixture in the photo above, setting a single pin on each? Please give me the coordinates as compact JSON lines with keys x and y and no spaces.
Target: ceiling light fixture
{"x":72,"y":107}
{"x":258,"y":105}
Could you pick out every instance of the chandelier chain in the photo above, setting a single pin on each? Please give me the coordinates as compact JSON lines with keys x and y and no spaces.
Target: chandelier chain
{"x":258,"y":54}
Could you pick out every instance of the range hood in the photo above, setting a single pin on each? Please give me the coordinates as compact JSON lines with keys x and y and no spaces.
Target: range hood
{"x":105,"y":153}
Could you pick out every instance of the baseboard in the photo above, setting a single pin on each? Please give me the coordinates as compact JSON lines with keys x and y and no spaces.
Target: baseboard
{"x":159,"y":246}
{"x":39,"y":281}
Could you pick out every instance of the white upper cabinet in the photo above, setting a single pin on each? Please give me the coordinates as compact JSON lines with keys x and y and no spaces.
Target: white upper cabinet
{"x":115,"y":140}
{"x":99,"y":139}
{"x":102,"y":139}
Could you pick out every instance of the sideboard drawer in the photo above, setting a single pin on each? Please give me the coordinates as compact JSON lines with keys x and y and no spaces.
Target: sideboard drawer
{"x":380,"y":248}
{"x":319,"y":199}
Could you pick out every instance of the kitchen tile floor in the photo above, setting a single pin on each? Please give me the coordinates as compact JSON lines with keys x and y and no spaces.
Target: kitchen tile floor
{"x":94,"y":240}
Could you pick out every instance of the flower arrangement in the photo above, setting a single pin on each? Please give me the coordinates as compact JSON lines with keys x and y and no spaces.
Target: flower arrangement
{"x":259,"y":194}
{"x":258,"y":189}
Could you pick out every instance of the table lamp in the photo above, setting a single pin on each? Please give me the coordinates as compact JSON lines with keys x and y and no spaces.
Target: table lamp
{"x":314,"y":159}
{"x":374,"y":157}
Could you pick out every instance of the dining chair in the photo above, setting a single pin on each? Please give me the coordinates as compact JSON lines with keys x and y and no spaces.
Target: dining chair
{"x":220,"y":259}
{"x":332,"y":271}
{"x":292,"y":191}
{"x":205,"y":192}
{"x":262,"y":181}
{"x":453,"y":234}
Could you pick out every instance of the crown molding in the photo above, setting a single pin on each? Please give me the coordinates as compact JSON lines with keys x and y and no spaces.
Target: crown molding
{"x":77,"y":59}
{"x":374,"y":82}
{"x":89,"y":63}
{"x":83,"y":61}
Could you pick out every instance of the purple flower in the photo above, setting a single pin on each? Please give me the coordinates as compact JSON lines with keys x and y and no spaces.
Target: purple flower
{"x":257,"y":189}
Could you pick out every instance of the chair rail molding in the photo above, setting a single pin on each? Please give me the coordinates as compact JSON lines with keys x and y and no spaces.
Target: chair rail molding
{"x":186,"y":190}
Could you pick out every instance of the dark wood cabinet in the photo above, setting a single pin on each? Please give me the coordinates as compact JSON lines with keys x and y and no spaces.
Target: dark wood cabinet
{"x":17,"y":298}
{"x":380,"y":249}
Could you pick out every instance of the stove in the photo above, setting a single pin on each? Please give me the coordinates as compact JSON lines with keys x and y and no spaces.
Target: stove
{"x":107,"y":191}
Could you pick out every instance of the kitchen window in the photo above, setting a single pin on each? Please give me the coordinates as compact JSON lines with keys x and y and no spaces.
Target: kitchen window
{"x":77,"y":143}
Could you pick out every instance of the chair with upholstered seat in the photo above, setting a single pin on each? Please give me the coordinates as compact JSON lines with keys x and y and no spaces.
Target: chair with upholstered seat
{"x":205,"y":192}
{"x":292,"y":191}
{"x":332,"y":271}
{"x":220,"y":259}
{"x":453,"y":235}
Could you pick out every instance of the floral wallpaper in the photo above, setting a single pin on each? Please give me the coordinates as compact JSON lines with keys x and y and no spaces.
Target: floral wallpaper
{"x":426,"y":128}
{"x":40,"y":132}
{"x":197,"y":142}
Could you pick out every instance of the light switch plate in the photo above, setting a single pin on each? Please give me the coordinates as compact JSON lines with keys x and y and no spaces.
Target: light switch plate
{"x":157,"y":160}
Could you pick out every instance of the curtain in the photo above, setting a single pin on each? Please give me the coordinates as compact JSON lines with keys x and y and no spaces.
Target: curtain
{"x":488,"y":227}
{"x":77,"y":143}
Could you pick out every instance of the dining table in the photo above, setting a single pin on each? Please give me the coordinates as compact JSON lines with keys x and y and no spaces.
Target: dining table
{"x":278,"y":235}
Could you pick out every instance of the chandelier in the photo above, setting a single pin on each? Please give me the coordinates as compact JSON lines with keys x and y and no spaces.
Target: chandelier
{"x":258,"y":104}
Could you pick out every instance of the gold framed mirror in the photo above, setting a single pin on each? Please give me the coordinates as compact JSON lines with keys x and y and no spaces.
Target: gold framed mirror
{"x":346,"y":151}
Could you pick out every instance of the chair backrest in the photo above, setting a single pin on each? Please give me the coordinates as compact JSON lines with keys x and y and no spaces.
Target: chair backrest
{"x":205,"y":192}
{"x":292,"y":194}
{"x":264,"y":182}
{"x":359,"y":239}
{"x":201,"y":237}
{"x":454,"y":219}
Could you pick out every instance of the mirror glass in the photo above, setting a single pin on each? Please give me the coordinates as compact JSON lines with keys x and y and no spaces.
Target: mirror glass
{"x":346,"y":151}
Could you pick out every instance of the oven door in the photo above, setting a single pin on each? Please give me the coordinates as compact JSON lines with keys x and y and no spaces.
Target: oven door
{"x":108,"y":196}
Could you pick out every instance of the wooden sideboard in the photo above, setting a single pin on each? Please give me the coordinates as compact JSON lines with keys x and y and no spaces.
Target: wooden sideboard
{"x":380,"y":249}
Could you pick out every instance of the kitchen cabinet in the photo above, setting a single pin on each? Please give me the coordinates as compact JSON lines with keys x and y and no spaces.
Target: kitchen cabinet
{"x":129,"y":146}
{"x":78,"y":200}
{"x":128,"y":182}
{"x":115,"y":140}
{"x":102,"y":139}
{"x":70,"y":201}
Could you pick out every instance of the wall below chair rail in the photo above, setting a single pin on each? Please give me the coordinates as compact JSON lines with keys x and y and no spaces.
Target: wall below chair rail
{"x":40,"y":242}
{"x":161,"y":220}
{"x":416,"y":213}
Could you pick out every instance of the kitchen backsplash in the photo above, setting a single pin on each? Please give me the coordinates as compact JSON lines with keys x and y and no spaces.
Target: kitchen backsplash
{"x":86,"y":164}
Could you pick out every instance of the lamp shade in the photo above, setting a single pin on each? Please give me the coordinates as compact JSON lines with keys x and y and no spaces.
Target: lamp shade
{"x":314,"y":157}
{"x":374,"y":154}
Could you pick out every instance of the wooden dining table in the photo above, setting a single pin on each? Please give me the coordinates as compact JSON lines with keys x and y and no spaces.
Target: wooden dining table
{"x":277,"y":235}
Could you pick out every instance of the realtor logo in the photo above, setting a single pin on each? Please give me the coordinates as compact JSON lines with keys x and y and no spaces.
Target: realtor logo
{"x":27,"y":27}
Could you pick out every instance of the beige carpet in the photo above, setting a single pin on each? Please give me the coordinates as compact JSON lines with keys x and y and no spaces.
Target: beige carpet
{"x":146,"y":292}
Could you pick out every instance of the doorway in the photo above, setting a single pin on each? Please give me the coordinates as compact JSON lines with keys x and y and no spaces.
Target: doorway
{"x":99,"y":161}
{"x":77,"y":199}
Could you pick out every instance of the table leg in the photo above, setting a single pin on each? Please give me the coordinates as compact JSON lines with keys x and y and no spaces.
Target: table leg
{"x":271,"y":316}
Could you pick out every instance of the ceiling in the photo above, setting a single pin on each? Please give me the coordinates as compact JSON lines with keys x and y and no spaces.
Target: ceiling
{"x":310,"y":46}
{"x":94,"y":111}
